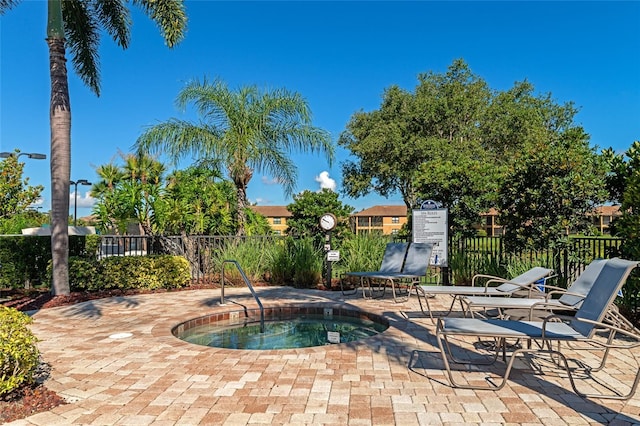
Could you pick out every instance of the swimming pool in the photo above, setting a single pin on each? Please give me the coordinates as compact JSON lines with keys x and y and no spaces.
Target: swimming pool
{"x":285,"y":327}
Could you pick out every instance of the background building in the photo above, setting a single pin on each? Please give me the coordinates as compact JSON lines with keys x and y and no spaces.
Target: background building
{"x":276,"y":216}
{"x":386,"y":220}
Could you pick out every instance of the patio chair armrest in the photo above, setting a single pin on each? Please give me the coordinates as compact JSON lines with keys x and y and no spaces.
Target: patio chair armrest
{"x":553,"y":288}
{"x":633,"y":334}
{"x":492,"y":278}
{"x":562,"y":293}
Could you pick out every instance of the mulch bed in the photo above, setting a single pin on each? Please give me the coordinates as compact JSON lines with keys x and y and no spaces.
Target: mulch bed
{"x":26,"y":401}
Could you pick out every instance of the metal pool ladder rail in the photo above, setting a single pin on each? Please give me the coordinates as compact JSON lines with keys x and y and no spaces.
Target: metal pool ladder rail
{"x":248,"y":283}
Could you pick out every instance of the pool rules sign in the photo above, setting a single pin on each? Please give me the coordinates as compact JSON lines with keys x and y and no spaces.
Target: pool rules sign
{"x":430,"y":226}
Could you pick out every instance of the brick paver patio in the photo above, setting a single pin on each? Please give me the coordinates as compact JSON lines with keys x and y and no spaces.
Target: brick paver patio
{"x":152,"y":378}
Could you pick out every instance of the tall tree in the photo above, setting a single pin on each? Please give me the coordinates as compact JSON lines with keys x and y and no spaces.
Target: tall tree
{"x":197,"y":202}
{"x":425,"y":145}
{"x":623,"y":184}
{"x":549,"y":190}
{"x":15,"y":192}
{"x":129,"y":193}
{"x":78,"y":25}
{"x":411,"y":129}
{"x":306,"y":209}
{"x":246,"y":130}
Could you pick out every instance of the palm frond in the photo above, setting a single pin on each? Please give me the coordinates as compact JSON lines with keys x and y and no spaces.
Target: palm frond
{"x":6,"y":5}
{"x":82,"y":31}
{"x":115,"y":18}
{"x":169,"y":15}
{"x":179,"y":139}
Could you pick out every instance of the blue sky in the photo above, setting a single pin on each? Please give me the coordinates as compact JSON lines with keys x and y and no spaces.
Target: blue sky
{"x":339,"y":55}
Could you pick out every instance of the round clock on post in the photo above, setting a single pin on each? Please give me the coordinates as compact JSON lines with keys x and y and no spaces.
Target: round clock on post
{"x":328,"y":221}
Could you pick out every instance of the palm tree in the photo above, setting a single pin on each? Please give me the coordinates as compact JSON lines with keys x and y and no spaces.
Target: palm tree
{"x":78,"y":25}
{"x":245,"y":130}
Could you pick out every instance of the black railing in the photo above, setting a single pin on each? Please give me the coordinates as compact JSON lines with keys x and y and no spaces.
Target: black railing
{"x":467,"y":256}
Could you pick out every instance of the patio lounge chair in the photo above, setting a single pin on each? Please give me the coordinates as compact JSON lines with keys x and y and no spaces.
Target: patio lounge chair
{"x":525,"y":307}
{"x":416,"y":266}
{"x":392,"y":262}
{"x":586,"y":326}
{"x":523,"y":282}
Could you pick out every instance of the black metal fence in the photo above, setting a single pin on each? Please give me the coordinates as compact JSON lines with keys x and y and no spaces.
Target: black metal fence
{"x":198,"y":249}
{"x":467,"y":256}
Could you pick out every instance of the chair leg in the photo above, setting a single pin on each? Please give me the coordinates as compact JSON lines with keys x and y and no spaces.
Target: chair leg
{"x":426,"y":300}
{"x":348,"y":292}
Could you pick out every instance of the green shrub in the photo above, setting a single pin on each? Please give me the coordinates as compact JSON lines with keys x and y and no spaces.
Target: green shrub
{"x":307,"y":263}
{"x":296,"y":262}
{"x":362,"y":252}
{"x":84,"y":274}
{"x":280,"y":265}
{"x":144,"y":272}
{"x":254,"y":256}
{"x":24,"y":258}
{"x":91,"y":246}
{"x":18,"y":351}
{"x":128,"y":272}
{"x":23,"y":261}
{"x":172,"y":271}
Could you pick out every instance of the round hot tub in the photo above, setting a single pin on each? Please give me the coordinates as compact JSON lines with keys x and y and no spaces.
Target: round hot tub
{"x":285,"y":327}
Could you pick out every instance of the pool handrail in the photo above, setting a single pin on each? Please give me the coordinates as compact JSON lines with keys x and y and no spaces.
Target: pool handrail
{"x":248,"y":283}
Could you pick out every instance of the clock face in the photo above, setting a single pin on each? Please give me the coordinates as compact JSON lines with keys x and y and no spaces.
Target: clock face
{"x":328,"y":221}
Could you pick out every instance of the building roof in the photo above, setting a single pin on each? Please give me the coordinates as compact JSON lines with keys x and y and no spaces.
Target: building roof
{"x":384,"y":211}
{"x":272,"y":211}
{"x":608,"y":210}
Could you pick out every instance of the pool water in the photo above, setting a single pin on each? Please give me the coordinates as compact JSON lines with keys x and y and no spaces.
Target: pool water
{"x":299,"y":332}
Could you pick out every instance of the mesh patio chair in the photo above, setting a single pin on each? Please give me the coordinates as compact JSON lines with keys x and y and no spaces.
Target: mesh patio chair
{"x":586,"y":326}
{"x":392,"y":262}
{"x":416,"y":266}
{"x":525,"y":282}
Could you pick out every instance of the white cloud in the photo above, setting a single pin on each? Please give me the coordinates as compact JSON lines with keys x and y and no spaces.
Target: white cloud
{"x":83,"y":201}
{"x":37,"y":203}
{"x":261,"y":201}
{"x":325,"y":181}
{"x":269,"y":181}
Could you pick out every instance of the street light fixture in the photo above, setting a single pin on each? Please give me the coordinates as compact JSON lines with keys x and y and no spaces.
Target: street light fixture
{"x":75,"y":200}
{"x":32,"y":155}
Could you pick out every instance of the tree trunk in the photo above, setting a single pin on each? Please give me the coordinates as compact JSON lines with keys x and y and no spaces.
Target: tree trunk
{"x":60,"y":122}
{"x":241,"y":194}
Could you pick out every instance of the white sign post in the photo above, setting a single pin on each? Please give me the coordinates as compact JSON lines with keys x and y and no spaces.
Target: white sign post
{"x":431,"y":226}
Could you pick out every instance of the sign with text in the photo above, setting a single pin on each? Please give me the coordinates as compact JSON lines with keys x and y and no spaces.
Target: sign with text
{"x":333,"y":255}
{"x":431,"y":226}
{"x":333,"y":336}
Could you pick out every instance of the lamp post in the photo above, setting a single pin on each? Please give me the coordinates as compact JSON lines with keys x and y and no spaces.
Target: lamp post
{"x":75,"y":196}
{"x":32,"y":155}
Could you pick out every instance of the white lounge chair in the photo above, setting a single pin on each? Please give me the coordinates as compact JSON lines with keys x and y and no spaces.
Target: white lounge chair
{"x":392,"y":262}
{"x":569,"y":299}
{"x":523,"y":282}
{"x":586,"y":326}
{"x":416,"y":266}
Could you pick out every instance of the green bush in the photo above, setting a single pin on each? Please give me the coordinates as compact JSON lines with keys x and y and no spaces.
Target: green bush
{"x":172,"y":271}
{"x":84,"y":274}
{"x":362,"y":252}
{"x":144,"y":272}
{"x":24,"y":258}
{"x":128,"y":272}
{"x":254,"y":256}
{"x":18,"y":351}
{"x":307,"y":263}
{"x":296,"y":262}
